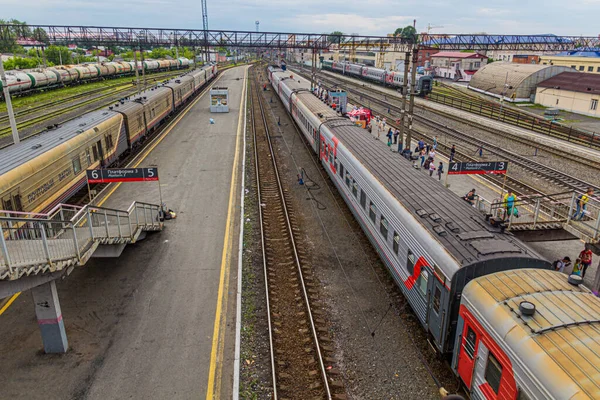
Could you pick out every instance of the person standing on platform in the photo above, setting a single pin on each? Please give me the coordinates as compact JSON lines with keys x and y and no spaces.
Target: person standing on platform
{"x":560,"y":265}
{"x":421,"y":144}
{"x":435,"y":142}
{"x":452,"y":153}
{"x":582,"y":204}
{"x":510,"y":202}
{"x":396,"y":133}
{"x":440,"y":170}
{"x":586,"y":260}
{"x":432,"y":154}
{"x":427,"y":147}
{"x":431,"y":167}
{"x":378,"y":130}
{"x":389,"y":136}
{"x":423,"y":154}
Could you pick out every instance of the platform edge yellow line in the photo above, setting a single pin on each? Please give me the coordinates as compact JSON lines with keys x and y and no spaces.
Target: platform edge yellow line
{"x":216,"y":354}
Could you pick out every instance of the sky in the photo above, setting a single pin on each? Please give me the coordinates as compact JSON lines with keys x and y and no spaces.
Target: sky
{"x":371,"y":17}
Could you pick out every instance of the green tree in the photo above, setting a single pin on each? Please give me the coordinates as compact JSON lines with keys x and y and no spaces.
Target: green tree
{"x":408,"y":32}
{"x":10,"y":34}
{"x":41,"y":36}
{"x":58,"y":55}
{"x":21,"y":63}
{"x":335,"y":37}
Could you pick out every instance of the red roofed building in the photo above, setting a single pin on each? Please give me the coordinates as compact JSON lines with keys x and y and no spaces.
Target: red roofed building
{"x":28,"y":43}
{"x":458,"y":66}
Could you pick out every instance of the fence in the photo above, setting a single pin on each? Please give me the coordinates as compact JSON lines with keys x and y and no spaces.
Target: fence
{"x":522,"y":120}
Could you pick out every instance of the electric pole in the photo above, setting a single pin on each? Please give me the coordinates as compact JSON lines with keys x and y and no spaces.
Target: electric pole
{"x":403,"y":107}
{"x":205,"y":28}
{"x":413,"y":89}
{"x":11,"y":115}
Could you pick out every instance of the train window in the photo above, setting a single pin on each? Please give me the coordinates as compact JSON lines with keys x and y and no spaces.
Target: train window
{"x":330,"y":156}
{"x":437,"y":296}
{"x":76,"y":165}
{"x":372,"y":211}
{"x":335,"y":162}
{"x":17,"y":202}
{"x":354,"y":188}
{"x":95,"y":153}
{"x":363,"y":199}
{"x":7,"y":204}
{"x":470,"y":342}
{"x":88,"y":157}
{"x":109,"y":142}
{"x":348,"y":177}
{"x":422,"y":281}
{"x":493,"y":373}
{"x":341,"y":169}
{"x":410,"y":264}
{"x":383,"y":227}
{"x":396,"y":242}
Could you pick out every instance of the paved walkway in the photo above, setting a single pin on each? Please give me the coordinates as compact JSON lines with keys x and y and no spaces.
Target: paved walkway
{"x":143,"y":326}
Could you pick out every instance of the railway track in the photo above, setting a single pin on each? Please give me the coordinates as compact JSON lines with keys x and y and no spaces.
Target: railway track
{"x":542,"y":171}
{"x":105,"y":98}
{"x":297,"y":332}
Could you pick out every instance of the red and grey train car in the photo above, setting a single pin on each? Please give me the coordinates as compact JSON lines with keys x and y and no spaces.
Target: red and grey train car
{"x":395,"y":79}
{"x":431,"y":241}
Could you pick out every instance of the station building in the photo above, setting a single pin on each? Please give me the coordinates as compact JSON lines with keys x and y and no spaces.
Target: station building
{"x":512,"y":81}
{"x":571,"y":91}
{"x":582,"y":61}
{"x":456,"y":65}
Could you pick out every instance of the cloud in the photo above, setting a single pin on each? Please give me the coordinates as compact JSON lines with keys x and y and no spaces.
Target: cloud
{"x":491,"y":12}
{"x":350,"y":23}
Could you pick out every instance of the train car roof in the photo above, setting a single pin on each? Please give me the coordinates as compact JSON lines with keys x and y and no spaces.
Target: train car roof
{"x":457,"y":226}
{"x":30,"y":148}
{"x":560,"y":343}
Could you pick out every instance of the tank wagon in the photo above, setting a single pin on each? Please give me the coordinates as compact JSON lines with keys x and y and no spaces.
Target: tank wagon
{"x":387,"y":78}
{"x":49,"y":168}
{"x":27,"y":81}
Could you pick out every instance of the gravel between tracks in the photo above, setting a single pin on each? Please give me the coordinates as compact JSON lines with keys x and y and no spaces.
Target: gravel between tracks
{"x":574,"y":166}
{"x":379,"y":344}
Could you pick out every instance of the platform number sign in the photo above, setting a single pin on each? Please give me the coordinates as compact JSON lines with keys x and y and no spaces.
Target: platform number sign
{"x":478,"y":168}
{"x":122,"y":175}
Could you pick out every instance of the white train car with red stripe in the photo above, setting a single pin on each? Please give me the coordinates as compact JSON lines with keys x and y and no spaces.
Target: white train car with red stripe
{"x":432,"y":242}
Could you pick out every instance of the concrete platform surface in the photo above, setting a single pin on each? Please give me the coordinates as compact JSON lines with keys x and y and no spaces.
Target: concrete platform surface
{"x":142,"y":326}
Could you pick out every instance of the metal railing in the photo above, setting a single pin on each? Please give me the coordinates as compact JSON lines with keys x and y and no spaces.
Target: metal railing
{"x":67,"y":232}
{"x":540,"y":212}
{"x":520,"y":119}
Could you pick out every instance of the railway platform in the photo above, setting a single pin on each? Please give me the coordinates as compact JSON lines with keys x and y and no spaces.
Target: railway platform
{"x":159,"y":321}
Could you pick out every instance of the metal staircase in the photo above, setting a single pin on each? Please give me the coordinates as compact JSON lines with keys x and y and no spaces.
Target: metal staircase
{"x":34,"y":244}
{"x":546,"y":214}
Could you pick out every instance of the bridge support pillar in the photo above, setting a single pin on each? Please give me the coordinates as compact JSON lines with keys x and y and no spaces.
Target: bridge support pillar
{"x":49,"y":317}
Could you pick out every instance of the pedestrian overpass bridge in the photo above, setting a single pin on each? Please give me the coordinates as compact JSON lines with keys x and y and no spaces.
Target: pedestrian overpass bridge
{"x":547,"y":217}
{"x":36,"y":249}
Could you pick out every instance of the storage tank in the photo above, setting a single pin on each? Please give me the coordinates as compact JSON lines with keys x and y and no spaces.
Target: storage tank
{"x":17,"y":81}
{"x":42,"y":77}
{"x":163,"y":64}
{"x":151,"y":65}
{"x":63,"y":75}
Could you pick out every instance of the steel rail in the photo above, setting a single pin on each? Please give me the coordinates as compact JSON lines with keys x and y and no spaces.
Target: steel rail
{"x":295,"y":252}
{"x":263,"y":241}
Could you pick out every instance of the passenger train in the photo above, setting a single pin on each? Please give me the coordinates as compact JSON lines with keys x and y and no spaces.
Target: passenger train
{"x":25,"y":81}
{"x":389,"y":78}
{"x":45,"y":170}
{"x":438,"y":249}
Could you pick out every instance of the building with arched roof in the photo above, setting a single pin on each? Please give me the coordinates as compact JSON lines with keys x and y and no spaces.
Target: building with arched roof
{"x":514,"y":82}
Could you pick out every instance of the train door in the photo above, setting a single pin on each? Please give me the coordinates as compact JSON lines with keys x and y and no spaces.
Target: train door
{"x":100,"y":152}
{"x":436,"y":312}
{"x":468,"y":353}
